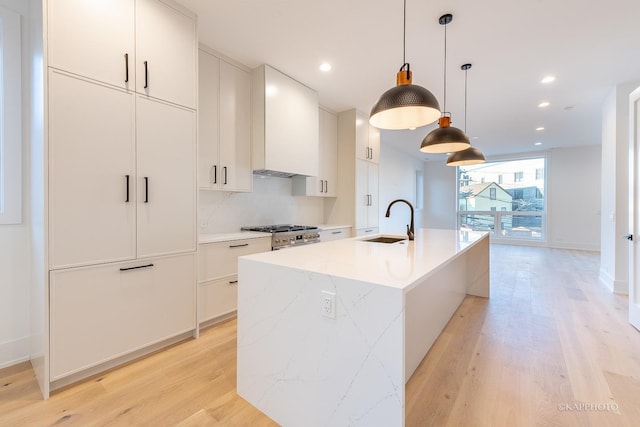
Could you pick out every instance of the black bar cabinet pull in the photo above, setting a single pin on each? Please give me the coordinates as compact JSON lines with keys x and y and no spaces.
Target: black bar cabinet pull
{"x":336,"y":232}
{"x":146,"y":75}
{"x":326,"y":186}
{"x":146,"y":189}
{"x":224,"y":170}
{"x":126,"y":68}
{"x":321,"y":186}
{"x":215,"y":174}
{"x":127,"y":199}
{"x":233,"y":282}
{"x":239,"y":246}
{"x":137,"y":267}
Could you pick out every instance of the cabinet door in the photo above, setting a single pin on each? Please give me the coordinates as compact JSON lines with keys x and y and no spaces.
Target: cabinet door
{"x":362,"y":137}
{"x":220,"y":259}
{"x":100,"y":313}
{"x":373,"y":212}
{"x":235,"y":129}
{"x":91,"y":38}
{"x":329,"y":152}
{"x":166,"y":52}
{"x":217,"y":298}
{"x":374,"y":144}
{"x":92,"y":158}
{"x":208,"y":124}
{"x":166,"y":157}
{"x":363,"y":198}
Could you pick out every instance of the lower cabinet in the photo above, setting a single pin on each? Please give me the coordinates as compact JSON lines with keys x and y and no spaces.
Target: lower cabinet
{"x":217,"y":274}
{"x":217,"y":298}
{"x":103,"y":312}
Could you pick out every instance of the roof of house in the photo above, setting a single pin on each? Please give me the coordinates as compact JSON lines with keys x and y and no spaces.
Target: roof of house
{"x":475,"y":189}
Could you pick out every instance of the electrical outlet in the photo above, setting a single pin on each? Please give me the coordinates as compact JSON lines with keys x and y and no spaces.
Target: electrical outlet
{"x":328,"y":304}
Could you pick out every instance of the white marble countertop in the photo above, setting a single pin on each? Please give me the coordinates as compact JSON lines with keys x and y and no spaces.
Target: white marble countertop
{"x":331,"y":226}
{"x":226,"y":237}
{"x":399,"y":265}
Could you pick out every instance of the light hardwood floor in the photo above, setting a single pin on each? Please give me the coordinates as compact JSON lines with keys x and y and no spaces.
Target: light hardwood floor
{"x":551,"y":347}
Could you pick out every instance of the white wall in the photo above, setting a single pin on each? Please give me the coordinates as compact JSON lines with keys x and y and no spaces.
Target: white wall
{"x":440,"y":195}
{"x":614,"y":264}
{"x":270,"y":203}
{"x":573,"y":198}
{"x":14,"y":239}
{"x":398,"y":181}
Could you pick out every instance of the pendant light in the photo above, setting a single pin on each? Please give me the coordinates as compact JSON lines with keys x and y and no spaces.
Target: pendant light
{"x":445,"y":139}
{"x":471,"y":155}
{"x":406,"y":105}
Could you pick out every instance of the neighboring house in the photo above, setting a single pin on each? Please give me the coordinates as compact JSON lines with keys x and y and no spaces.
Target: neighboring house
{"x":487,"y":196}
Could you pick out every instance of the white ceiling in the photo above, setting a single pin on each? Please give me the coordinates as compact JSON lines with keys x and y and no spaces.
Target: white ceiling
{"x":590,"y":46}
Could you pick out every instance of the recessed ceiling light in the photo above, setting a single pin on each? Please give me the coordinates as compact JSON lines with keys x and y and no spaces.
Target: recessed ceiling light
{"x":540,"y":128}
{"x":548,"y":79}
{"x":325,"y":66}
{"x":412,"y":128}
{"x":544,"y":104}
{"x":537,"y":143}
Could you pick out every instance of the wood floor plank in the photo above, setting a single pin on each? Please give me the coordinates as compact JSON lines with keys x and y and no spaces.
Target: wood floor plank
{"x":551,"y":347}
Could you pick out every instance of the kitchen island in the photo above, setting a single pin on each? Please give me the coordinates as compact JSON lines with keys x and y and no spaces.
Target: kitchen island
{"x":329,"y":333}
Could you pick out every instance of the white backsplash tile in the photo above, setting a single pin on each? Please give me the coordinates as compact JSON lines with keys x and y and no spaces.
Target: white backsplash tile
{"x":270,"y":202}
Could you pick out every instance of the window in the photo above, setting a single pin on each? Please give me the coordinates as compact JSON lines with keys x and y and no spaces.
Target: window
{"x":518,"y":176}
{"x":508,"y":210}
{"x":10,"y":118}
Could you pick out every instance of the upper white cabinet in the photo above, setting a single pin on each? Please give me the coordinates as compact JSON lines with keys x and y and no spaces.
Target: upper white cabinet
{"x":367,"y":140}
{"x":146,"y":45}
{"x":367,"y":200}
{"x":105,"y":51}
{"x":166,"y":52}
{"x":92,"y":191}
{"x":224,"y":125}
{"x":285,"y":134}
{"x":326,"y":183}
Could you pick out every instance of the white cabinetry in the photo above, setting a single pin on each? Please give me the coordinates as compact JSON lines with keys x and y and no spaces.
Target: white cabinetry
{"x":224,"y":125}
{"x":121,"y":200}
{"x":326,"y":183}
{"x":146,"y":45}
{"x":218,"y":274}
{"x":285,"y":124}
{"x":107,"y":202}
{"x":358,"y":155}
{"x":100,"y":313}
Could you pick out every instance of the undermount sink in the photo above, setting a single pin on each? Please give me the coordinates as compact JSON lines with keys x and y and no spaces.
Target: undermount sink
{"x":385,"y":239}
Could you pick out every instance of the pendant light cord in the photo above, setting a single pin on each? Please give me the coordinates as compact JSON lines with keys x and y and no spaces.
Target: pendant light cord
{"x":466,"y":71}
{"x":404,"y":33}
{"x":444,"y":110}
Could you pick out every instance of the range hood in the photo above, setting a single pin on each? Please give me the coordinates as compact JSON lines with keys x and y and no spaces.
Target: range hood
{"x":285,"y":125}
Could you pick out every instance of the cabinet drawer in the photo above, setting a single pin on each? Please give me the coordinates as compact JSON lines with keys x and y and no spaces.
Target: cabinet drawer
{"x":220,"y":259}
{"x":335,"y":234}
{"x":217,"y":298}
{"x":103,"y":312}
{"x":366,"y":231}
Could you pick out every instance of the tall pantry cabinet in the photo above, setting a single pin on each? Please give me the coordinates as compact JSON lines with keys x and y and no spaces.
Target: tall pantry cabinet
{"x":121,"y":134}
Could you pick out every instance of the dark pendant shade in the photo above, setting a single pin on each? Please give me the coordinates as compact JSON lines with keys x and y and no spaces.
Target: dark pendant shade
{"x":405,"y":106}
{"x":445,"y":139}
{"x":470,"y":156}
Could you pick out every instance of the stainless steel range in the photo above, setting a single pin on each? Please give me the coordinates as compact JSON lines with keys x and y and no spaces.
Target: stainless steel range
{"x":288,"y":235}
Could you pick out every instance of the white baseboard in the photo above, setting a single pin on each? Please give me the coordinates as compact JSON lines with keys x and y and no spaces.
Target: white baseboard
{"x":14,"y":352}
{"x":606,"y":279}
{"x":616,"y":286}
